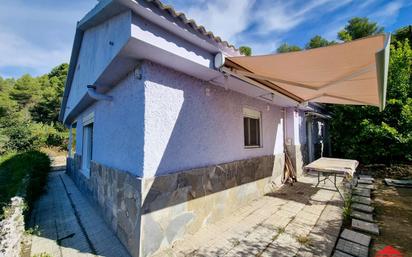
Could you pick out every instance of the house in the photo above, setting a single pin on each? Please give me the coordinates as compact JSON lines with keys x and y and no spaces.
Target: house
{"x":170,"y":133}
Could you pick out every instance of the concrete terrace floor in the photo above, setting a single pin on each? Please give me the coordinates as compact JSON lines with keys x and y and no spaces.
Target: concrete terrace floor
{"x":298,"y":220}
{"x":68,"y":225}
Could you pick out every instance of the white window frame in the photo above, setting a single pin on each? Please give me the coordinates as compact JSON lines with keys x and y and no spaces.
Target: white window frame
{"x":87,"y":143}
{"x":253,"y":114}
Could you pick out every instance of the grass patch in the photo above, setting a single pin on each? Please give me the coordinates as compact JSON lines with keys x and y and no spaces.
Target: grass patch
{"x":347,"y":209}
{"x":33,"y":231}
{"x":303,"y":240}
{"x":280,"y":230}
{"x":23,"y":174}
{"x":234,"y":242}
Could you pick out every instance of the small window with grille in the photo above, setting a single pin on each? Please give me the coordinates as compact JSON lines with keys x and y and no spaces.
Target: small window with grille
{"x":252,"y":128}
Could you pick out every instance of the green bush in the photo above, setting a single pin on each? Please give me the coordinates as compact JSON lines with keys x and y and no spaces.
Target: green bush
{"x":29,"y":110}
{"x":20,"y":137}
{"x":25,"y":136}
{"x":370,"y":136}
{"x":23,"y":174}
{"x":57,"y":139}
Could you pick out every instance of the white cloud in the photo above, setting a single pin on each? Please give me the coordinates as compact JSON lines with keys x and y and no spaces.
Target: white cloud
{"x":282,"y":16}
{"x":225,"y":18}
{"x":35,"y":37}
{"x":366,"y":3}
{"x":229,"y":18}
{"x":18,"y":52}
{"x":265,"y":47}
{"x":388,"y":14}
{"x":330,"y":29}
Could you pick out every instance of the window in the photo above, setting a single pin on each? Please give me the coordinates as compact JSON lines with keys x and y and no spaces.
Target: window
{"x":87,"y":143}
{"x":87,"y":146}
{"x":251,"y":127}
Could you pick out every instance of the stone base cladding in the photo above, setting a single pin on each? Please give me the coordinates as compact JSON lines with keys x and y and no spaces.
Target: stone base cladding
{"x":117,"y":194}
{"x":183,"y":202}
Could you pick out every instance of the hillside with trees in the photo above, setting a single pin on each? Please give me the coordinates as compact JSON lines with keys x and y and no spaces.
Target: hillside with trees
{"x":29,"y":109}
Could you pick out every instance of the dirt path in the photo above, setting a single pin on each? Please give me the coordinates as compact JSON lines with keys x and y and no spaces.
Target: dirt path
{"x":394,"y":215}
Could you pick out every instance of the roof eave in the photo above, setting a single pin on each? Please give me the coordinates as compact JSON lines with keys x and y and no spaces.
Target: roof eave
{"x":95,"y":16}
{"x":106,"y":9}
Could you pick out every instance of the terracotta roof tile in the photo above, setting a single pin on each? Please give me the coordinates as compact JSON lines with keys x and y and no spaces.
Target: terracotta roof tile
{"x":190,"y":22}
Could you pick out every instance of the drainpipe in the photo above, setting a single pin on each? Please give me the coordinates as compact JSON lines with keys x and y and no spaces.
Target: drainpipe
{"x":91,"y":91}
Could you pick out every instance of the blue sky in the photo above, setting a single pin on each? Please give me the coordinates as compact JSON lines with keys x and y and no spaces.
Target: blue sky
{"x":38,"y":35}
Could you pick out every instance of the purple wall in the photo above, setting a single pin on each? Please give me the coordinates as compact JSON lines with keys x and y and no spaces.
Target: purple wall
{"x":185,"y":128}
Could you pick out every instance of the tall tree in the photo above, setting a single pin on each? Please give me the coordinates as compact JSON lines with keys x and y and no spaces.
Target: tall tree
{"x":47,"y":109}
{"x":318,"y":41}
{"x":285,"y":47}
{"x":29,"y":108}
{"x":402,"y":34}
{"x":25,"y":90}
{"x":357,"y":28}
{"x":245,"y":50}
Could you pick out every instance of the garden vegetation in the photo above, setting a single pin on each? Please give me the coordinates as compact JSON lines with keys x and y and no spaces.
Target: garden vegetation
{"x":29,"y":109}
{"x":23,"y":174}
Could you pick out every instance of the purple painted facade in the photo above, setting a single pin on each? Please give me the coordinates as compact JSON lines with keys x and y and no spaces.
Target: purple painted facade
{"x":153,"y":124}
{"x":173,"y":123}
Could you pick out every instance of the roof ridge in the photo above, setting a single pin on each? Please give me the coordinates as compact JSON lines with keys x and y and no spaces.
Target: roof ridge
{"x":191,"y":22}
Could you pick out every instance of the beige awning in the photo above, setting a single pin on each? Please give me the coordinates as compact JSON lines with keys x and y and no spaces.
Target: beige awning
{"x":347,"y":73}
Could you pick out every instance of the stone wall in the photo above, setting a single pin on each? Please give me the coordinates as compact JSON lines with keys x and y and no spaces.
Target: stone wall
{"x":116,"y":194}
{"x":12,"y":229}
{"x":150,"y":215}
{"x":183,"y":202}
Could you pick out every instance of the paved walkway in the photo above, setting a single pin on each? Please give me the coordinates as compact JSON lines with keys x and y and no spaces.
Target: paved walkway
{"x":58,"y":162}
{"x":298,"y":220}
{"x":68,"y":224}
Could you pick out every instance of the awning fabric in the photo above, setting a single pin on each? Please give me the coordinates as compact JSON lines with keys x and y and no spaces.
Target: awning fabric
{"x":349,"y":73}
